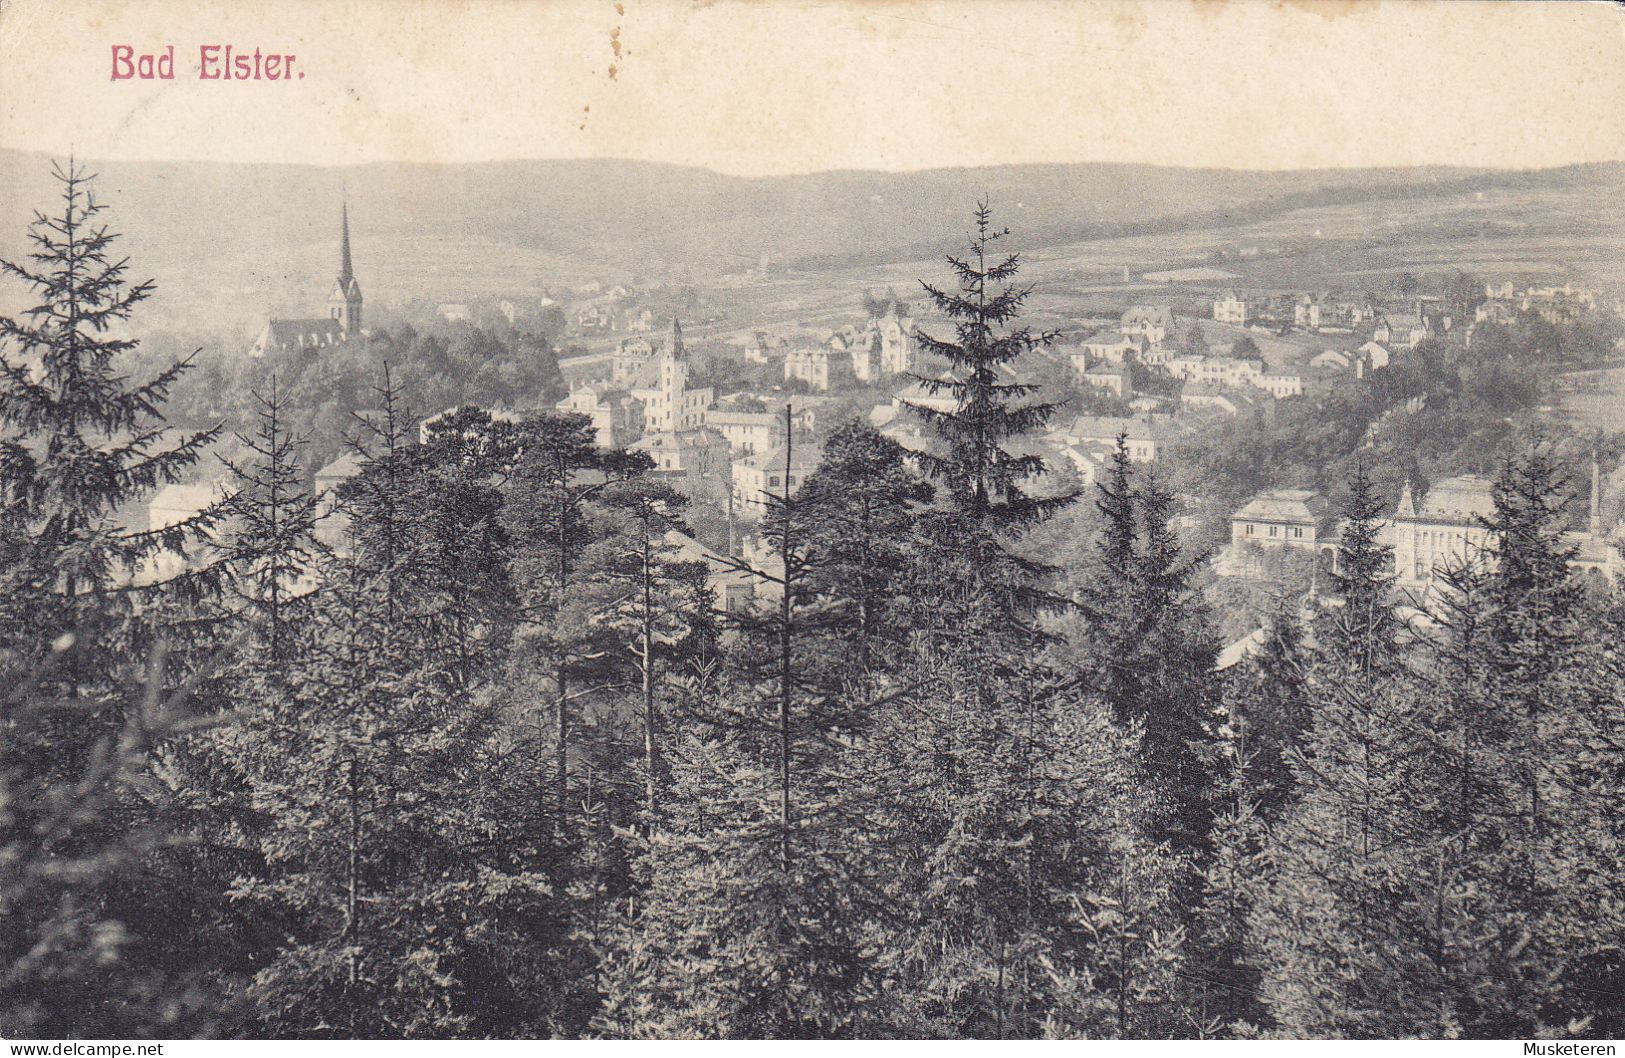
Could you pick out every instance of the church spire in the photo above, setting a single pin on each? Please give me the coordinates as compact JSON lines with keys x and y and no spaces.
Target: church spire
{"x":344,"y":304}
{"x":345,"y":272}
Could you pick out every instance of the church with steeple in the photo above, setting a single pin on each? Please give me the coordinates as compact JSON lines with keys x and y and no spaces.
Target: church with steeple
{"x":343,"y":319}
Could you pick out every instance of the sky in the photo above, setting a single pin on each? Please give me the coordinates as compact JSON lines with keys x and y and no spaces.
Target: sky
{"x":762,"y":88}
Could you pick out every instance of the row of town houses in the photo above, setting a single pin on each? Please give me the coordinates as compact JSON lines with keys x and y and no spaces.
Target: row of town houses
{"x":1220,"y":381}
{"x":1442,"y":529}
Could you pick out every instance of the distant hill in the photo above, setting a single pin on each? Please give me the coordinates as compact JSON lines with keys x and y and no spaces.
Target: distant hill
{"x":256,"y":237}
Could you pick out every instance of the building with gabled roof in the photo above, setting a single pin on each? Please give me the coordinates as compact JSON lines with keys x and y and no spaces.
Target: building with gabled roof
{"x":686,"y":453}
{"x":1102,"y":431}
{"x":342,"y":322}
{"x":1151,"y":322}
{"x":1110,"y":346}
{"x":1401,"y":330}
{"x":766,"y":474}
{"x":1230,"y":307}
{"x":617,"y":419}
{"x":1114,"y":380}
{"x":733,"y":587}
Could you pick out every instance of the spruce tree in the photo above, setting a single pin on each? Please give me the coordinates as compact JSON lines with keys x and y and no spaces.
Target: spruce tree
{"x":403,"y":907}
{"x":1144,"y":645}
{"x":983,"y":479}
{"x":269,"y":542}
{"x":1360,"y":632}
{"x":864,"y":539}
{"x":80,"y":446}
{"x":754,"y":872}
{"x":80,"y":442}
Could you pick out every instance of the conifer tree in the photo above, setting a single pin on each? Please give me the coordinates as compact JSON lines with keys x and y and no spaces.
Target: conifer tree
{"x":1266,"y":693}
{"x":269,"y":545}
{"x":1534,"y":604}
{"x":754,"y":870}
{"x":547,"y":521}
{"x":1337,"y":925}
{"x":983,"y":479}
{"x":372,"y":500}
{"x":660,"y":610}
{"x":1360,"y":633}
{"x":402,"y":911}
{"x":74,"y":961}
{"x":1145,"y":646}
{"x":864,"y":539}
{"x":1227,"y":997}
{"x":79,"y":443}
{"x":79,"y":440}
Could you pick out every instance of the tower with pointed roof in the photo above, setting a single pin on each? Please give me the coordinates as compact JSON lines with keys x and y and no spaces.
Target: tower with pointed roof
{"x":344,"y":304}
{"x":341,"y":324}
{"x":669,"y":404}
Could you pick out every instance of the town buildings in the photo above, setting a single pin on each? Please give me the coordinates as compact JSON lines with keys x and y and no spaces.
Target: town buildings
{"x":1230,"y":307}
{"x":1101,"y":433}
{"x":694,"y":453}
{"x":764,"y":475}
{"x":887,"y":345}
{"x":1296,"y":518}
{"x":617,"y":416}
{"x":636,"y":390}
{"x":1554,"y":304}
{"x":817,"y":367}
{"x":1401,"y":330}
{"x":1151,"y":324}
{"x":1103,"y":346}
{"x":1113,"y":379}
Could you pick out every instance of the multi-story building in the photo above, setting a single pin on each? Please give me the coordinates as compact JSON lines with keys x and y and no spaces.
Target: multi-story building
{"x":1111,"y":346}
{"x":1296,"y":518}
{"x":617,"y":417}
{"x":1100,"y":433}
{"x":629,"y":358}
{"x":747,"y":432}
{"x":1306,"y":312}
{"x":1401,"y":330}
{"x":733,"y":587}
{"x":1280,"y":384}
{"x":669,"y":405}
{"x":1449,"y":528}
{"x":1220,"y":370}
{"x":697,"y":453}
{"x":887,"y":345}
{"x":1446,"y":529}
{"x":1112,"y":379}
{"x":1153,"y":323}
{"x":817,"y":366}
{"x":759,"y":477}
{"x":1230,"y":307}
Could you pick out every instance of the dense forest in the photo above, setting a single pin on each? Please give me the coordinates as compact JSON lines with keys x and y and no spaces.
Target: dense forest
{"x":501,"y":766}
